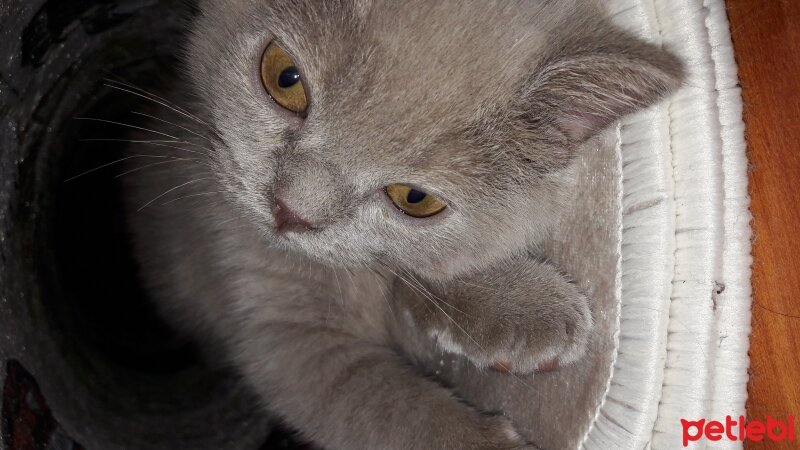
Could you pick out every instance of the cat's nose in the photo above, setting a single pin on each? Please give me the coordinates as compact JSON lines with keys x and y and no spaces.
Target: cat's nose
{"x":287,"y":220}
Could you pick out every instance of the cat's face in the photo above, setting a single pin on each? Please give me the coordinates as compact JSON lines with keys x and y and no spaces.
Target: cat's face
{"x":478,"y":108}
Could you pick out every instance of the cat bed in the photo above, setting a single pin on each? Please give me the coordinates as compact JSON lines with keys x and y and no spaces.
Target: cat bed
{"x":684,"y":281}
{"x":659,"y":238}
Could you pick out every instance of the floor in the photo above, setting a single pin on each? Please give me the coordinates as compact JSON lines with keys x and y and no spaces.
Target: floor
{"x":766,"y":36}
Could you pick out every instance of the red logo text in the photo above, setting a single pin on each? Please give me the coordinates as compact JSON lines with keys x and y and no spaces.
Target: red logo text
{"x":737,"y":430}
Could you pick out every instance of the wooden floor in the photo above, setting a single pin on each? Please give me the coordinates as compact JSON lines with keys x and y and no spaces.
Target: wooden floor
{"x":766,"y":36}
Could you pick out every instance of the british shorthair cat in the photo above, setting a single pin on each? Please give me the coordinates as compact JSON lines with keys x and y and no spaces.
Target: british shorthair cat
{"x":338,"y":174}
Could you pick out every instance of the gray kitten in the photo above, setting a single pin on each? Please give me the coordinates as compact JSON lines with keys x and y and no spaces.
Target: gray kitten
{"x":356,"y":184}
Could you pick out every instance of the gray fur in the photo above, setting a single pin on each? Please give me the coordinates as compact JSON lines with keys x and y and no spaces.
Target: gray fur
{"x":484,"y":104}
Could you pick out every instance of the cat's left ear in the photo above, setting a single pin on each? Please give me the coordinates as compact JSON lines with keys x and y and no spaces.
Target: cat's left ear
{"x":588,"y":83}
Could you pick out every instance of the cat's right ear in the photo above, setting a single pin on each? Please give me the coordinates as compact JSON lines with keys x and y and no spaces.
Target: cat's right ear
{"x":588,"y":83}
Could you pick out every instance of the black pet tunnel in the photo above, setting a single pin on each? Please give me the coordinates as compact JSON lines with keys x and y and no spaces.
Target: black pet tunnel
{"x":84,"y":363}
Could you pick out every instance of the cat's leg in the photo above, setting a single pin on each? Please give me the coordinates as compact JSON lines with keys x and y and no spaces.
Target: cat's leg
{"x":346,"y":392}
{"x":522,"y":315}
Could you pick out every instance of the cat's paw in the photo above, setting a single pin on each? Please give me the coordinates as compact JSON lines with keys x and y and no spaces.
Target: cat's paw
{"x":522,"y":319}
{"x":540,"y":342}
{"x":536,"y":341}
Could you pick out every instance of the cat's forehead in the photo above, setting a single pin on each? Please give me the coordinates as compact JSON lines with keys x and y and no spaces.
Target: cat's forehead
{"x":395,"y":76}
{"x":449,"y":57}
{"x":409,"y":65}
{"x":436,"y":49}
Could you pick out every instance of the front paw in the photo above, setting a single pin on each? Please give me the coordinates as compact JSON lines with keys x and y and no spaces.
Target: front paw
{"x":539,"y":342}
{"x":524,"y":319}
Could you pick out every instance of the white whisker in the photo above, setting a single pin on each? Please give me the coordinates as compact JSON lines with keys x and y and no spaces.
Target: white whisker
{"x":156,"y":100}
{"x":341,"y":294}
{"x":421,"y":286}
{"x":174,"y":125}
{"x":200,"y":194}
{"x":170,"y":190}
{"x":148,"y":142}
{"x":115,"y":162}
{"x":126,"y":125}
{"x":172,"y":160}
{"x":383,"y":293}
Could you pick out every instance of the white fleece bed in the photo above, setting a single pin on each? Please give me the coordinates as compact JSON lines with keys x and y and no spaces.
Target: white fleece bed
{"x":685,"y":242}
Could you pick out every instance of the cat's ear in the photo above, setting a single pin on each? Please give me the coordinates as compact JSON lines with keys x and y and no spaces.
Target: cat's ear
{"x":591,"y":82}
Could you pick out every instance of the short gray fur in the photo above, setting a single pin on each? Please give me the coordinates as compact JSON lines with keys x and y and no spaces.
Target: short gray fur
{"x":484,"y":104}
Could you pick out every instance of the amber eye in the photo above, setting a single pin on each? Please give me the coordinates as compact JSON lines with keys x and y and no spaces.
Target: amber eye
{"x":414,"y":202}
{"x":282,"y":79}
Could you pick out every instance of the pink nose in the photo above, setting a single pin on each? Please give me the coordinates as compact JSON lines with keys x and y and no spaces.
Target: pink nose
{"x":287,"y":220}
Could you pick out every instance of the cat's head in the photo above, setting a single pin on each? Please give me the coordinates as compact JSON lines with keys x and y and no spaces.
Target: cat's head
{"x":434,"y":137}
